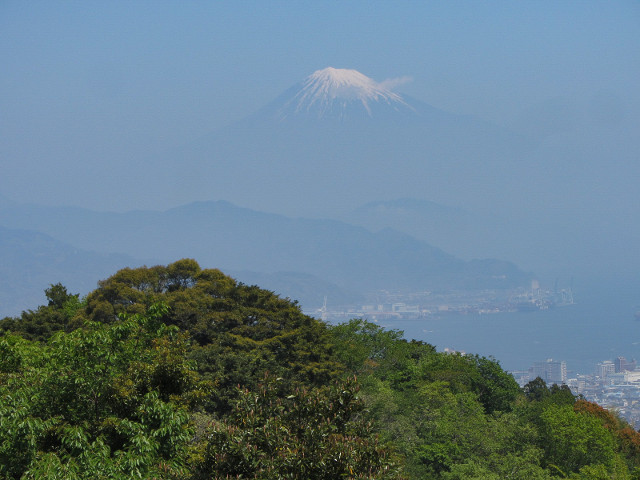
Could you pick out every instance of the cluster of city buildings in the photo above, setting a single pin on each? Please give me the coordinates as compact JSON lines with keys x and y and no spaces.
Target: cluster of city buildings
{"x":387,"y":306}
{"x":614,"y":385}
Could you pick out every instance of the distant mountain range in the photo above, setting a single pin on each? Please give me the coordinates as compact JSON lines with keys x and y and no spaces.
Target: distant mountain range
{"x":31,"y":261}
{"x":291,"y":252}
{"x":340,"y":145}
{"x":466,"y":234}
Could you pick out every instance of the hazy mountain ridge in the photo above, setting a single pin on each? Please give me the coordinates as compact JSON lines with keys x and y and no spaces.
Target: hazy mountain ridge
{"x":466,"y":234}
{"x":549,"y":242}
{"x":221,"y":235}
{"x":31,"y":261}
{"x":531,"y":198}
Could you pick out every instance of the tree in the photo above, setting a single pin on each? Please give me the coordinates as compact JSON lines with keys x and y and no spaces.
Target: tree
{"x":241,"y":331}
{"x":536,"y":390}
{"x":57,"y":295}
{"x":627,"y":438}
{"x":573,"y":440}
{"x":437,"y":408}
{"x":105,"y":401}
{"x":305,"y":434}
{"x":63,"y":312}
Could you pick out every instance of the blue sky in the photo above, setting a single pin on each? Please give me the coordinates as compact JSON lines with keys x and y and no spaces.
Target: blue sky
{"x":87,"y":81}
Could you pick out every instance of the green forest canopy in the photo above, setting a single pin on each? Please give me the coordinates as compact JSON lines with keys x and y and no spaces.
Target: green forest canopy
{"x":181,"y":372}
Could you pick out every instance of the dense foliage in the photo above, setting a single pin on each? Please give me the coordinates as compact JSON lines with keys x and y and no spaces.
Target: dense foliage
{"x":178,"y":372}
{"x":99,"y":402}
{"x":456,"y":416}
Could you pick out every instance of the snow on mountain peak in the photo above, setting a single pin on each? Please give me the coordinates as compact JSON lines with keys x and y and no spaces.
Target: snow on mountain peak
{"x":329,"y":89}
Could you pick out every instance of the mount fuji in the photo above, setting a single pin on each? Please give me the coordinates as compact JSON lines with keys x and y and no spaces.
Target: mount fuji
{"x":334,"y":141}
{"x":340,"y":94}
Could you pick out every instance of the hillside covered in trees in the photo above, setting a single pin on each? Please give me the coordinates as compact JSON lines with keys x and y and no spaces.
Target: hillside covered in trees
{"x":178,"y":372}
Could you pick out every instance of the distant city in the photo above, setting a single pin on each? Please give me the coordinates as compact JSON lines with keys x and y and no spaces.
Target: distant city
{"x":614,"y":385}
{"x":388,"y":305}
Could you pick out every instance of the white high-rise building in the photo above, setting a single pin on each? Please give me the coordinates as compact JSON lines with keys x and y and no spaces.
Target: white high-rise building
{"x":550,"y":371}
{"x":604,"y":369}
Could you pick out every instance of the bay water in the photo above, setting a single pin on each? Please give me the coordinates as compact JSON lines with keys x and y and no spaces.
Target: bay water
{"x":600,"y":325}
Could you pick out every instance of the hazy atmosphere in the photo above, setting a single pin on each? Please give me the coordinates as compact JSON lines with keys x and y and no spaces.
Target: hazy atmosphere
{"x":501,"y":131}
{"x":318,"y":240}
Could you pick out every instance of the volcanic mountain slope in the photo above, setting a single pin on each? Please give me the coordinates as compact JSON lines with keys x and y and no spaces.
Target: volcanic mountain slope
{"x":337,"y":140}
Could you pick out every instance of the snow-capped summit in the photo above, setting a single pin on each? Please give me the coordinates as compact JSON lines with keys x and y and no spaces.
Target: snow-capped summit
{"x":337,"y":137}
{"x":339,"y":92}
